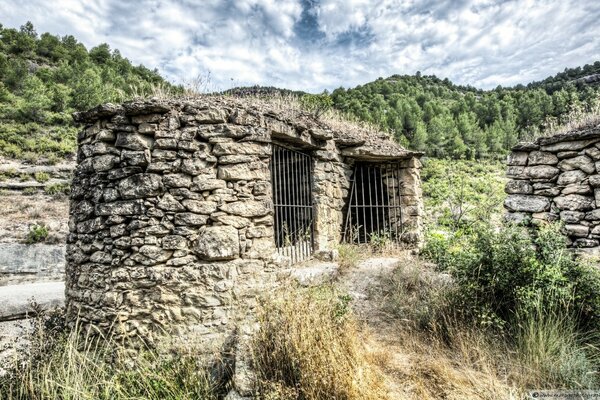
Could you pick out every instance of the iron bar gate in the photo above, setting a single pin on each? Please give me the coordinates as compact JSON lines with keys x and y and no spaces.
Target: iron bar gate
{"x":374,"y":210}
{"x":291,"y":178}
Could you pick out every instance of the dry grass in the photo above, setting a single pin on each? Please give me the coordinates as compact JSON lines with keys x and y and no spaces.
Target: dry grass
{"x":18,"y":212}
{"x":59,"y":364}
{"x":578,"y":118}
{"x":430,"y":353}
{"x":309,"y":346}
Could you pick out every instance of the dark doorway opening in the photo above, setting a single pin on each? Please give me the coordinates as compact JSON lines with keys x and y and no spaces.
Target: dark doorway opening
{"x":373,"y":211}
{"x":291,"y":178}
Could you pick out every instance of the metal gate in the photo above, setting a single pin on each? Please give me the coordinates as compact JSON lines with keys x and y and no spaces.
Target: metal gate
{"x":291,"y":178}
{"x":373,"y":210}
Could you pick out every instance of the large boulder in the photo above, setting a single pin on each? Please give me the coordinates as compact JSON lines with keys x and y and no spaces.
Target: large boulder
{"x":527,"y":203}
{"x":218,"y":243}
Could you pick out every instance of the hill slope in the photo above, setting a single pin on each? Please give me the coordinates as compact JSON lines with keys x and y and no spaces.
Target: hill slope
{"x":446,"y":120}
{"x":44,"y":78}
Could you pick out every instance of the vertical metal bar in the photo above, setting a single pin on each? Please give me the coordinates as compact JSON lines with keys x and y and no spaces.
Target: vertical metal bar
{"x":362,"y":187}
{"x":292,"y":206}
{"x":370,"y":200}
{"x":305,"y":202}
{"x":349,"y":211}
{"x":284,"y":203}
{"x":311,"y":209}
{"x":396,"y":199}
{"x":400,"y":204}
{"x":377,"y":181}
{"x":301,"y":192}
{"x":295,"y":203}
{"x":282,"y":185}
{"x":274,"y":193}
{"x":389,"y":199}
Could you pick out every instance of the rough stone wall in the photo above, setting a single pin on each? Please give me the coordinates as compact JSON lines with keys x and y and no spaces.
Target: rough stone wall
{"x":171,"y":219}
{"x":557,"y":179}
{"x":411,"y":200}
{"x":331,"y":178}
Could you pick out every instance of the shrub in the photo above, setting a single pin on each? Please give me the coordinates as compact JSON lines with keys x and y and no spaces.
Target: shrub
{"x":57,"y":188}
{"x":41,"y":177}
{"x":308,"y":346}
{"x":499,"y":271}
{"x":349,"y":255}
{"x":37,"y":233}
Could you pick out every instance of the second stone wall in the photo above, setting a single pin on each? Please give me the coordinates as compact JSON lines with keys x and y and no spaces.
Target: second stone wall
{"x":558,"y":179}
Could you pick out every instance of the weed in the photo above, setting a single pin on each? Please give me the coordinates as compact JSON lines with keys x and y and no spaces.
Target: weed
{"x":37,"y":233}
{"x":41,"y":177}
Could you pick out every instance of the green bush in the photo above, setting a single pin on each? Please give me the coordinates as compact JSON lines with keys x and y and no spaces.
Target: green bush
{"x":501,"y":270}
{"x":57,"y":188}
{"x":42,"y":177}
{"x":37,"y":233}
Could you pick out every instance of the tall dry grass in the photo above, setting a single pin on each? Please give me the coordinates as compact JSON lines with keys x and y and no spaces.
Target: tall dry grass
{"x":61,"y":364}
{"x":578,"y":117}
{"x":309,"y":346}
{"x":540,"y":348}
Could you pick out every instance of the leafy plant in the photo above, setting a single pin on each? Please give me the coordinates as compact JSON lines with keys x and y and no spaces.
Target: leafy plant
{"x":41,"y":177}
{"x":37,"y":233}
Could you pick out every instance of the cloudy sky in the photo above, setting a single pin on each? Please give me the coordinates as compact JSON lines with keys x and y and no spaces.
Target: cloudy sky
{"x":323,"y":44}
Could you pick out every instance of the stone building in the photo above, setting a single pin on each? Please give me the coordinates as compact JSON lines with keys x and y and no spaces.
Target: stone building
{"x":182,"y":212}
{"x":558,"y":179}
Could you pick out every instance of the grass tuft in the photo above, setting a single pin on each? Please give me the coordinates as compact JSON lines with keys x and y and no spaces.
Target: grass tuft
{"x":308,"y":346}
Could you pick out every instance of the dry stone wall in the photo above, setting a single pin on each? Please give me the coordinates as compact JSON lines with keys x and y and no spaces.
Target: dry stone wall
{"x":558,"y":179}
{"x":171,"y":218}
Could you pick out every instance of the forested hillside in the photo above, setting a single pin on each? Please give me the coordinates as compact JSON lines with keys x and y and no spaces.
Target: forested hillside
{"x":446,"y":120}
{"x":44,"y":78}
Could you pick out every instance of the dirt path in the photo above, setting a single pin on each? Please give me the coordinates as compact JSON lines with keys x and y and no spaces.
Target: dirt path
{"x":414,"y":368}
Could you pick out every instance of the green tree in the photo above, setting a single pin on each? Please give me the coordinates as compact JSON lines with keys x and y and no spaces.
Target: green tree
{"x":88,"y":90}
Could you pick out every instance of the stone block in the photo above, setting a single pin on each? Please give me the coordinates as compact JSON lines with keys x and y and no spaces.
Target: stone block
{"x":583,"y":163}
{"x":574,"y":202}
{"x":140,"y":186}
{"x":526,"y":203}
{"x":518,"y":187}
{"x":577,"y":188}
{"x":542,"y":158}
{"x":200,"y":207}
{"x":572,"y":217}
{"x":133,"y":141}
{"x":121,"y":208}
{"x":571,"y":177}
{"x":247,"y":172}
{"x":542,"y":172}
{"x":235,"y":148}
{"x":517,"y":158}
{"x":247,"y":208}
{"x":576,"y":230}
{"x":217,"y":243}
{"x":570,"y":145}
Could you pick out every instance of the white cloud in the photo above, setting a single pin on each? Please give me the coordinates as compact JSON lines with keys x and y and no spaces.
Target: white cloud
{"x":343,"y":42}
